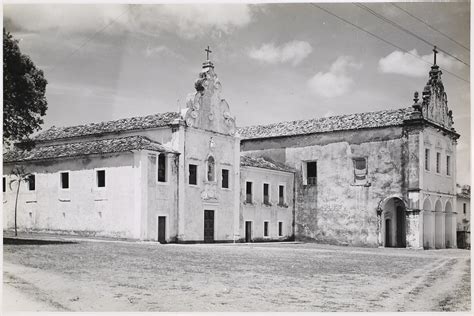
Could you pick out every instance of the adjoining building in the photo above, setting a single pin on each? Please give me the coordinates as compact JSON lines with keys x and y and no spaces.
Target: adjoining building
{"x":463,"y":227}
{"x":383,"y":178}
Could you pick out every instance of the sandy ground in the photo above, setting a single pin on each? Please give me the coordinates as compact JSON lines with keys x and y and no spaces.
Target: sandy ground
{"x":131,"y":276}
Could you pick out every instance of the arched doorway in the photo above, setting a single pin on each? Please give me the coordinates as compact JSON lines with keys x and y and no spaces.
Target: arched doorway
{"x":439,"y":225}
{"x":393,"y":222}
{"x":428,"y":227}
{"x":450,"y":226}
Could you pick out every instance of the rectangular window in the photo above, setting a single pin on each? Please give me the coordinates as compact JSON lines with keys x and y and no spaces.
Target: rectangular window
{"x":464,"y":208}
{"x":100,"y":174}
{"x":360,"y":170}
{"x":281,"y":195}
{"x":192,"y":174}
{"x":248,"y":192}
{"x":427,"y":159}
{"x":311,"y":172}
{"x":31,"y":182}
{"x":438,"y":162}
{"x":448,"y":165}
{"x":280,"y":229}
{"x":161,"y":168}
{"x":4,"y":184}
{"x":266,"y":197}
{"x":265,"y":229}
{"x":225,"y":178}
{"x":64,"y":180}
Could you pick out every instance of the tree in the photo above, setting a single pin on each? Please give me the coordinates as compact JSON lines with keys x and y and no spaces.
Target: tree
{"x":24,"y":87}
{"x":19,"y":176}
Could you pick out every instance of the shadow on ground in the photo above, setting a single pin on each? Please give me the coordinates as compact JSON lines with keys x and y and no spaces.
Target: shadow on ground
{"x":20,"y":241}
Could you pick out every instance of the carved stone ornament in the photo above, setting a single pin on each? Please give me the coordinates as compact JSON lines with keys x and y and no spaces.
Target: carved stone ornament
{"x":209,"y":192}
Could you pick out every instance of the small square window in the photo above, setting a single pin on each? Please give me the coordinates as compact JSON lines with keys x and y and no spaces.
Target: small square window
{"x":360,"y":170}
{"x":31,"y":182}
{"x":225,"y":178}
{"x":64,"y":177}
{"x":265,"y":229}
{"x":192,"y":174}
{"x":248,"y":192}
{"x":101,"y":178}
{"x":280,"y":229}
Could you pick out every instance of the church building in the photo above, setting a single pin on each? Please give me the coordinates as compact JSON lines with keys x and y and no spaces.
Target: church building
{"x":383,"y":178}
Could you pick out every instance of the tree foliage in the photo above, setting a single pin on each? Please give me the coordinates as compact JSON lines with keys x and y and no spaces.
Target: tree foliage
{"x":24,"y":87}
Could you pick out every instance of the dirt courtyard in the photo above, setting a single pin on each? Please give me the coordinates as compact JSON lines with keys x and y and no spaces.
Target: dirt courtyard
{"x":136,"y":276}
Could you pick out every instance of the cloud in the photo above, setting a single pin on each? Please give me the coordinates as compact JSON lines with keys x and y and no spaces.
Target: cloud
{"x":336,"y":81}
{"x":402,"y":63}
{"x":186,"y":20}
{"x":292,"y":52}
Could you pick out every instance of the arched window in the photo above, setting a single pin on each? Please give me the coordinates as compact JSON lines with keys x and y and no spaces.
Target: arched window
{"x":211,"y":169}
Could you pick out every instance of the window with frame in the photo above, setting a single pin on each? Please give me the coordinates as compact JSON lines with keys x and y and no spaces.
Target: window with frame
{"x":225,"y":178}
{"x":311,"y":173}
{"x":64,"y":178}
{"x":360,"y":170}
{"x":281,"y":195}
{"x":192,"y":174}
{"x":4,"y":187}
{"x":31,"y":182}
{"x":211,"y":169}
{"x":248,"y":192}
{"x":448,"y":165}
{"x":427,"y":159}
{"x":280,"y":229}
{"x":438,"y":162}
{"x":162,"y":167}
{"x":265,"y":229}
{"x":266,"y":194}
{"x":100,"y":176}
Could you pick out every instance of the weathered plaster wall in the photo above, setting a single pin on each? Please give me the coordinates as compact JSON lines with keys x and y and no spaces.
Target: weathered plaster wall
{"x":208,"y":195}
{"x":463,"y":219}
{"x":83,"y":208}
{"x":257,"y":212}
{"x":162,"y":198}
{"x":336,"y":210}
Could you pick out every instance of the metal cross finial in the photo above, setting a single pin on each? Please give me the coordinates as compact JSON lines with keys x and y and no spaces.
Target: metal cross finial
{"x":435,"y":51}
{"x":208,"y":51}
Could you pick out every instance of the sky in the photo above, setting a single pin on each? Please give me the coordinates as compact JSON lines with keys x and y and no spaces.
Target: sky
{"x":276,"y":62}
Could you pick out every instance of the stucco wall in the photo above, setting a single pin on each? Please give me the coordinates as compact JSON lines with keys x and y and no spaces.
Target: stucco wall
{"x":83,"y":208}
{"x":257,"y":212}
{"x":209,"y":195}
{"x":336,"y":210}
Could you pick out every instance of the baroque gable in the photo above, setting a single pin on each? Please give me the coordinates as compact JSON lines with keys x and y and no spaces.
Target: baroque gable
{"x":435,"y":101}
{"x":205,"y":108}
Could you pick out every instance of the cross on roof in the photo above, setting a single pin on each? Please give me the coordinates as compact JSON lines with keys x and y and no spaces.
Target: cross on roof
{"x":208,"y":51}
{"x":435,"y":51}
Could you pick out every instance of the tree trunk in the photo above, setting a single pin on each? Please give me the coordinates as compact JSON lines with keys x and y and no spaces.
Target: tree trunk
{"x":16,"y":204}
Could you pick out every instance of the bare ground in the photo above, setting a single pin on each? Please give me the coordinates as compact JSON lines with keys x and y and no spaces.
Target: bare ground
{"x":131,"y":276}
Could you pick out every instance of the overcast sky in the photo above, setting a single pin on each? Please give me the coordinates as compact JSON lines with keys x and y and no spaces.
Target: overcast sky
{"x":276,"y":62}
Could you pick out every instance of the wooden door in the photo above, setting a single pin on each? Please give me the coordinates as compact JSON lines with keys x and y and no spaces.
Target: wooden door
{"x":208,"y":226}
{"x":162,"y":229}
{"x":248,"y":231}
{"x":388,"y":233}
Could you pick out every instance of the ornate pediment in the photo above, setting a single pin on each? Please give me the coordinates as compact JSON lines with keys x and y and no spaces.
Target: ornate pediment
{"x":205,"y":109}
{"x":435,"y":101}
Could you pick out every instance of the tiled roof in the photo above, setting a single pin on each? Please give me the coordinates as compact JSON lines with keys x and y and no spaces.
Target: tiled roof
{"x":327,"y":124}
{"x":259,"y":162}
{"x":132,"y":123}
{"x":102,"y":146}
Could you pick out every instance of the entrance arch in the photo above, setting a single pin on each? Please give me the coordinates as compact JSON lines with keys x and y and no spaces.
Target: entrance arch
{"x":393,"y":222}
{"x":450,"y":226}
{"x":439,"y":225}
{"x":428,"y":225}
